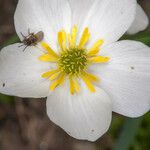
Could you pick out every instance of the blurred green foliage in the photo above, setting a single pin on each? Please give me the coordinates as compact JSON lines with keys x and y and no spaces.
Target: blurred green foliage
{"x":12,"y":40}
{"x":141,"y":37}
{"x":6,"y":99}
{"x":142,"y":139}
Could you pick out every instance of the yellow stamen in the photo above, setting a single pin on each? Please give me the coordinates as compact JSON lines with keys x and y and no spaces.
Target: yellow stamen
{"x":99,"y":59}
{"x":84,"y":39}
{"x":88,"y":83}
{"x":59,"y":81}
{"x":55,"y":75}
{"x":48,"y":58}
{"x":62,"y":40}
{"x":49,"y":50}
{"x":76,"y":85}
{"x":72,"y":88}
{"x":95,"y":48}
{"x":91,"y":77}
{"x":49,"y":73}
{"x":72,"y":37}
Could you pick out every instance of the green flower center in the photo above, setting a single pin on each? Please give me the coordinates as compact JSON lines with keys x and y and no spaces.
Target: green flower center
{"x":73,"y":61}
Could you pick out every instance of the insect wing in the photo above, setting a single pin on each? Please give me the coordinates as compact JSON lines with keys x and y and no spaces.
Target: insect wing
{"x":39,"y":36}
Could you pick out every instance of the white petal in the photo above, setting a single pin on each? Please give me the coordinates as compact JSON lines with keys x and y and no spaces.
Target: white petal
{"x":126,"y":78}
{"x":84,"y":116}
{"x":49,"y":16}
{"x":140,"y":23}
{"x":20,"y":72}
{"x":110,"y":19}
{"x":80,"y":10}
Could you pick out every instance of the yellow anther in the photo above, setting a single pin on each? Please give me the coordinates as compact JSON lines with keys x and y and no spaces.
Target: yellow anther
{"x":88,"y":83}
{"x":59,"y":81}
{"x":49,"y":50}
{"x":76,"y":85}
{"x":72,"y":88}
{"x":62,"y":39}
{"x":99,"y":59}
{"x":84,"y":39}
{"x":91,"y":77}
{"x":55,"y":75}
{"x":95,"y":48}
{"x":48,"y":58}
{"x":72,"y":37}
{"x":49,"y":73}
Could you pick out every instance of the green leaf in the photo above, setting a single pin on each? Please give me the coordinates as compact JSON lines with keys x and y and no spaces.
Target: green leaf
{"x":128,"y":133}
{"x":12,"y":40}
{"x":143,"y":37}
{"x":6,"y":99}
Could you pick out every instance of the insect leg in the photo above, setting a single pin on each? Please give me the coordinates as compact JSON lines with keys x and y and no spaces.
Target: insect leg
{"x":22,"y":35}
{"x":25,"y":48}
{"x":21,"y":45}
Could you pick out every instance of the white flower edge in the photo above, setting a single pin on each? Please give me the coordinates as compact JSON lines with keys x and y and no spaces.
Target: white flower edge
{"x":140,"y":22}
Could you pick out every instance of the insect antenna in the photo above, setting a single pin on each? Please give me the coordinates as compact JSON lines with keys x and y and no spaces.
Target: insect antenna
{"x":22,"y":35}
{"x":21,"y":45}
{"x":25,"y":48}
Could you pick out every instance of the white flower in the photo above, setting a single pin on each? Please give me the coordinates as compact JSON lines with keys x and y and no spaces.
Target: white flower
{"x":72,"y":65}
{"x":140,"y":22}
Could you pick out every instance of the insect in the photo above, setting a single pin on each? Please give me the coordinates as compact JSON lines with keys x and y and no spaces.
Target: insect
{"x":32,"y":39}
